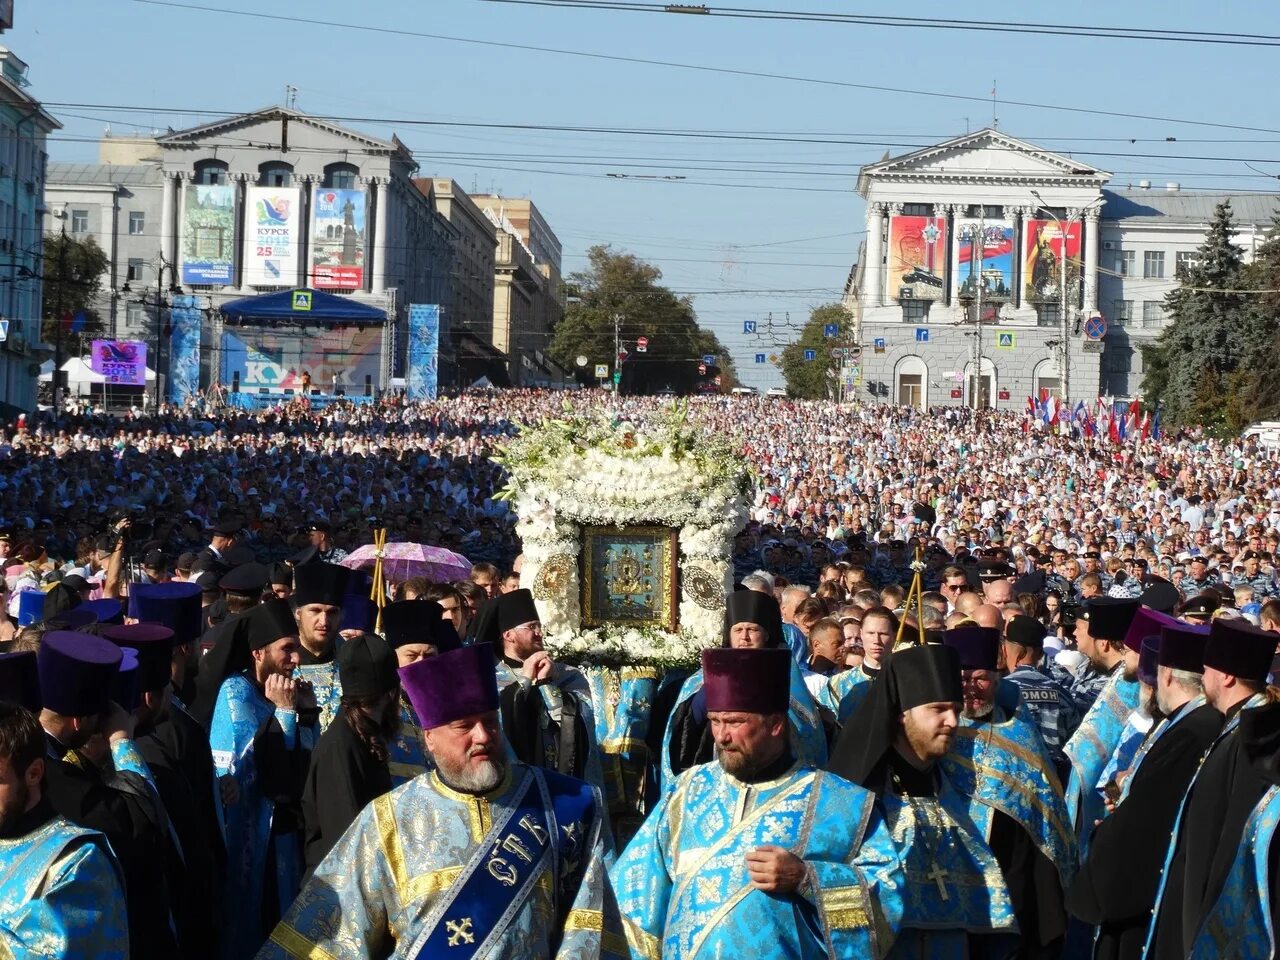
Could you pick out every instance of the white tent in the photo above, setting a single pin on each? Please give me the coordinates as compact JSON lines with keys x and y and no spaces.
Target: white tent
{"x":79,"y":375}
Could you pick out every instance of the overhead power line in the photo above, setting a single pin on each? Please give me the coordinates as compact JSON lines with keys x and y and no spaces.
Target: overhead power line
{"x":698,"y":67}
{"x":925,"y":23}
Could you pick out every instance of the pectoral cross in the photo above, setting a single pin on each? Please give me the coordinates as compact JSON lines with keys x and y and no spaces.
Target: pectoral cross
{"x":939,"y":876}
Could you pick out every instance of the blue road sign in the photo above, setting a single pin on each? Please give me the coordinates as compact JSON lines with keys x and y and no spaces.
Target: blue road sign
{"x":748,"y":326}
{"x":811,"y":355}
{"x":830,"y":330}
{"x":759,"y":358}
{"x":709,"y":358}
{"x":1095,"y":328}
{"x":922,"y":334}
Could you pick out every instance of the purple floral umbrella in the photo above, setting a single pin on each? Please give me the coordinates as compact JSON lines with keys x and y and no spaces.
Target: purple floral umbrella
{"x":402,"y":561}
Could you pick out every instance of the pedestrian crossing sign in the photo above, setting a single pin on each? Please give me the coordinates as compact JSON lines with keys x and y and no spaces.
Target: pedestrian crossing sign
{"x":1005,"y":340}
{"x":302,"y":299}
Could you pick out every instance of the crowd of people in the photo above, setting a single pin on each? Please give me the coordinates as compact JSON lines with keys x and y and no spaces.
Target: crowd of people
{"x":984,"y":689}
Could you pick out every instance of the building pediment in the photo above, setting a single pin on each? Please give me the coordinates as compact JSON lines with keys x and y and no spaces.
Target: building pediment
{"x":985,"y":156}
{"x":263,"y":127}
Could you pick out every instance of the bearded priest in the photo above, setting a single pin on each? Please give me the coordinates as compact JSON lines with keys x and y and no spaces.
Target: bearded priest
{"x":759,"y":853}
{"x":481,"y":857}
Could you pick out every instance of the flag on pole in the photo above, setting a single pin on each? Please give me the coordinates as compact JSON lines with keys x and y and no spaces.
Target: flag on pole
{"x":1155,"y":425}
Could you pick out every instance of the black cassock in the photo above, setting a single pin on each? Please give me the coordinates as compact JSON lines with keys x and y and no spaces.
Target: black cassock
{"x":128,"y":816}
{"x":529,"y":728}
{"x":1116,"y":887}
{"x":1035,"y":890}
{"x":177,"y":753}
{"x":1231,"y":781}
{"x":345,"y":777}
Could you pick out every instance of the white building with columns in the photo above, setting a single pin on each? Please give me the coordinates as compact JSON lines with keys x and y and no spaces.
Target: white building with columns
{"x":1065,"y":285}
{"x":948,"y":320}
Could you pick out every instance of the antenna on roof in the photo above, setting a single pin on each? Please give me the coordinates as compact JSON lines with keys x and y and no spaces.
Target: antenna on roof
{"x":995,"y":121}
{"x":290,"y":96}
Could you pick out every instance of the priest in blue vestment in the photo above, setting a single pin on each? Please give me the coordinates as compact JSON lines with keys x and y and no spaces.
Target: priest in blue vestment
{"x":758,"y":853}
{"x":260,"y":740}
{"x":1000,"y":762}
{"x":1100,"y":632}
{"x":956,"y":903}
{"x":752,"y":620}
{"x":482,"y":857}
{"x":61,"y":889}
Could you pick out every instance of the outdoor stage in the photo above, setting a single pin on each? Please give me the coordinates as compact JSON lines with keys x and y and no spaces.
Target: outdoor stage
{"x":270,"y":398}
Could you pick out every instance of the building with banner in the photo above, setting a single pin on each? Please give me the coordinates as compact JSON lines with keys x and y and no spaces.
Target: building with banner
{"x":24,"y":127}
{"x":994,"y":270}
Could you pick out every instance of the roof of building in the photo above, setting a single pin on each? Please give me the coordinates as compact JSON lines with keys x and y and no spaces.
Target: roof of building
{"x":134,"y":175}
{"x":1161,"y":205}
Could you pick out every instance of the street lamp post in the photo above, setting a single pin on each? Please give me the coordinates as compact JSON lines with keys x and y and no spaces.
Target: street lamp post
{"x":57,"y":312}
{"x":159,"y":305}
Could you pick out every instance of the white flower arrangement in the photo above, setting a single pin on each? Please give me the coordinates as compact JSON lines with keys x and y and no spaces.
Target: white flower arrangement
{"x":570,"y":473}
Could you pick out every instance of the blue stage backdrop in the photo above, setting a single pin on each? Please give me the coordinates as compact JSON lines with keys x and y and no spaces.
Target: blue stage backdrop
{"x":339,"y":360}
{"x":424,"y":350}
{"x":184,"y":349}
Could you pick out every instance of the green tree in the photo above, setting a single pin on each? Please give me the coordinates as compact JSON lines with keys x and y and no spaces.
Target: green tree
{"x":815,"y":379}
{"x":72,"y":283}
{"x":620,"y":289}
{"x":1253,"y":391}
{"x":1212,"y":330}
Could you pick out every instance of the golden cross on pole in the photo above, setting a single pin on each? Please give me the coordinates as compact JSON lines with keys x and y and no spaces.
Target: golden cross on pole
{"x":916,"y":593}
{"x":378,"y":594}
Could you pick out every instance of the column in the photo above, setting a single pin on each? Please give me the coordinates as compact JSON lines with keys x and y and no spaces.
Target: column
{"x":306,"y":183}
{"x":380,"y":234}
{"x":169,"y":208}
{"x":873,"y":274}
{"x":1092,"y":219}
{"x":239,"y":181}
{"x":952,"y":212}
{"x":1020,"y":217}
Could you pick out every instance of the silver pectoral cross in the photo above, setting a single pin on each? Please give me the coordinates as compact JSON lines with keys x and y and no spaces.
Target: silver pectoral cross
{"x":939,"y":876}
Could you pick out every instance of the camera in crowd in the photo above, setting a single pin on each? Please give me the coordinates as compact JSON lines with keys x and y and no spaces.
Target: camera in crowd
{"x":140,"y":528}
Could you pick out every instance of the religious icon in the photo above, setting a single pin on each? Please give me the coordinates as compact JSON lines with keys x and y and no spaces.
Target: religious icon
{"x":629,"y":576}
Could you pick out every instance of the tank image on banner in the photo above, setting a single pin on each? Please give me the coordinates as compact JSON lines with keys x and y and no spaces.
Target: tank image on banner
{"x":917,"y":251}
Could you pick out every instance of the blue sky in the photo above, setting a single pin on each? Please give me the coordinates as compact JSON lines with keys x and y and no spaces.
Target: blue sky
{"x":777,"y":231}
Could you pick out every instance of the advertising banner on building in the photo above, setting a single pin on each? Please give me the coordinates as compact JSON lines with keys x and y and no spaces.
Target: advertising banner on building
{"x":986,"y":252}
{"x":1042,"y":258}
{"x":208,"y":234}
{"x":917,"y":251}
{"x":122,"y":362}
{"x":272,"y":232}
{"x":424,"y":350}
{"x":337,"y":239}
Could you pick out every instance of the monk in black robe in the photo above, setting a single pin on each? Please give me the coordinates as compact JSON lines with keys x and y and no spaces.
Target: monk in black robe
{"x":1118,"y":882}
{"x":349,"y":763}
{"x":76,"y":674}
{"x":1226,"y":788}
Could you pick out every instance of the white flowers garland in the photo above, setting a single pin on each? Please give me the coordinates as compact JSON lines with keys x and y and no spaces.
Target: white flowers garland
{"x":570,"y":474}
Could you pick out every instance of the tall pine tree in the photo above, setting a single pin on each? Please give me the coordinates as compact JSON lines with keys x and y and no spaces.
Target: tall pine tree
{"x":1254,"y":390}
{"x":1208,"y":335}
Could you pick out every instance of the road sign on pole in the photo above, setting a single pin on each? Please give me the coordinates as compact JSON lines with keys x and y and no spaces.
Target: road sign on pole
{"x":830,"y":330}
{"x":602,"y":371}
{"x":642,"y":345}
{"x":759,"y":358}
{"x":708,"y":358}
{"x":748,"y":326}
{"x":811,"y":355}
{"x":1095,"y":328}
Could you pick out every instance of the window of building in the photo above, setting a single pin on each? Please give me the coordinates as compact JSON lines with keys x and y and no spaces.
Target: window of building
{"x":135,"y":315}
{"x":79,"y":221}
{"x":911,"y":376}
{"x":1121,"y":312}
{"x":137,"y":223}
{"x":915,"y":311}
{"x":1184,"y":260}
{"x":988,"y":211}
{"x":917,"y":209}
{"x":1152,"y":314}
{"x":211,"y":173}
{"x":1125,"y":262}
{"x":341,"y":176}
{"x":275,"y":174}
{"x":134,"y":273}
{"x":1048,"y":314}
{"x":1153,"y":264}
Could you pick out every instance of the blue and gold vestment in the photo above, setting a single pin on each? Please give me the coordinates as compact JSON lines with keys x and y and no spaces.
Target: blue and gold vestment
{"x":683,"y":886}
